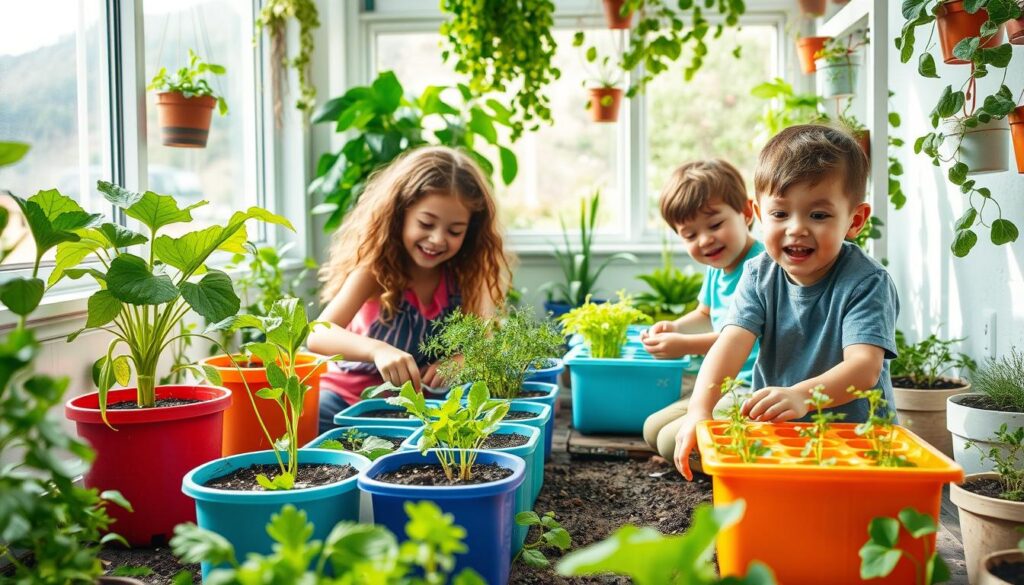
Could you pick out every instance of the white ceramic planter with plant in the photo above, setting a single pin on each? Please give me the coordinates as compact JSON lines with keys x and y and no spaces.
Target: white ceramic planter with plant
{"x":992,"y":566}
{"x":984,"y":147}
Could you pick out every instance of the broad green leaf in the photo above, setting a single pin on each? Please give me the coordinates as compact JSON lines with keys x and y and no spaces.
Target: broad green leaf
{"x":118,"y":195}
{"x":527,"y":518}
{"x":121,"y":237}
{"x":997,"y":57}
{"x":917,"y":524}
{"x":263,"y":215}
{"x":509,"y":165}
{"x":115,"y":497}
{"x":130,"y":281}
{"x":963,"y":241}
{"x":1003,"y":232}
{"x":926,"y":66}
{"x":121,"y":369}
{"x":534,"y":558}
{"x":22,"y":295}
{"x":265,"y":352}
{"x":102,"y":308}
{"x":558,"y":537}
{"x":212,"y":374}
{"x":70,"y":254}
{"x":966,"y":220}
{"x":877,"y":560}
{"x":275,"y":375}
{"x":12,"y":152}
{"x":958,"y":173}
{"x":212,"y":297}
{"x":936,"y":570}
{"x":290,"y":528}
{"x":388,"y":92}
{"x":884,"y":531}
{"x":966,"y":48}
{"x":192,"y":544}
{"x":156,"y":211}
{"x":270,"y":393}
{"x":53,"y":219}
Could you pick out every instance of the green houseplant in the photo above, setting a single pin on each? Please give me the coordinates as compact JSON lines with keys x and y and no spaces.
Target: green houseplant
{"x":384,"y":123}
{"x":139,"y":305}
{"x":673,"y":292}
{"x":837,"y":62}
{"x":262,"y":280}
{"x":502,"y":46}
{"x":185,"y":102}
{"x":603,"y":326}
{"x":603,"y":80}
{"x":274,"y":17}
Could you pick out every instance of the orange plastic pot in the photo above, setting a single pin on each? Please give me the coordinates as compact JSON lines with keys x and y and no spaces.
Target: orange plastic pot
{"x":1016,"y":119}
{"x":793,"y":504}
{"x":242,"y":431}
{"x":812,"y":7}
{"x":184,"y":121}
{"x":604,"y":103}
{"x":1015,"y":31}
{"x":806,"y":47}
{"x":956,"y":24}
{"x":613,"y":14}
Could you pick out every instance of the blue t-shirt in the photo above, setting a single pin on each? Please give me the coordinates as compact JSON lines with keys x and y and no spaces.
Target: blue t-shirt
{"x":806,"y":328}
{"x":716,"y":293}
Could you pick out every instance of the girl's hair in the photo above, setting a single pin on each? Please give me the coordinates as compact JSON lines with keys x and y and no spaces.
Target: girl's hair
{"x":371,"y":235}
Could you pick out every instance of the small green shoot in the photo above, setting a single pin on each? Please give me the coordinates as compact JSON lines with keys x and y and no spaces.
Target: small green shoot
{"x":880,"y":554}
{"x":821,"y":422}
{"x":365,"y":444}
{"x":603,"y":326}
{"x":1008,"y":459}
{"x":552,"y":536}
{"x":741,"y":443}
{"x":880,"y":430}
{"x":190,"y":80}
{"x":928,"y":361}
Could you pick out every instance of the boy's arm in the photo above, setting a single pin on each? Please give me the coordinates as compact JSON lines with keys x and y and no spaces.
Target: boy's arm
{"x":860,"y":368}
{"x":689,"y":334}
{"x":724,"y":360}
{"x":696,"y":321}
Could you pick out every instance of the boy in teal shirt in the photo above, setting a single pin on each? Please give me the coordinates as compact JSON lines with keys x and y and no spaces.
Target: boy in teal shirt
{"x":706,"y":204}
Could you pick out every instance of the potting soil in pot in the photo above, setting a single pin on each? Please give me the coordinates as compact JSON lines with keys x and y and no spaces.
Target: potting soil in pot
{"x":505,"y":441}
{"x":901,"y":382}
{"x":309,"y":475}
{"x":1012,"y":572}
{"x":433,"y":475}
{"x":519,"y":415}
{"x":383,"y":413}
{"x":531,"y":393}
{"x":160,"y":403}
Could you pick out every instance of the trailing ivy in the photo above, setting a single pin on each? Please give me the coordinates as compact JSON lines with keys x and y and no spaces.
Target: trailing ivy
{"x":274,"y":17}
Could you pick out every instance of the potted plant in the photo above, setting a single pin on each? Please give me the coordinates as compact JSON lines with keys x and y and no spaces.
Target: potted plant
{"x":922,"y":384}
{"x":274,"y":17}
{"x":812,"y":8}
{"x":991,"y":504}
{"x":1003,"y":567}
{"x":618,"y":14}
{"x":141,"y":301}
{"x":579,"y":278}
{"x":351,"y":553}
{"x":998,"y":399}
{"x":603,"y":83}
{"x":237,"y":494}
{"x":785,"y":107}
{"x":474,"y":486}
{"x":185,"y":102}
{"x":673,"y":292}
{"x":957,"y":22}
{"x":980,"y":146}
{"x":1015,"y":27}
{"x":371,"y":442}
{"x":603,"y":326}
{"x":807,"y":48}
{"x":857,"y":129}
{"x":1016,"y":120}
{"x":837,"y":63}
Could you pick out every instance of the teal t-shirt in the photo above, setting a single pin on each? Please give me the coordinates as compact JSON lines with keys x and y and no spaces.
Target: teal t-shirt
{"x":716,"y":293}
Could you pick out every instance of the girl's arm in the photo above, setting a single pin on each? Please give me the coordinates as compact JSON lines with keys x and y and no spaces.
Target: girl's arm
{"x":395,"y":366}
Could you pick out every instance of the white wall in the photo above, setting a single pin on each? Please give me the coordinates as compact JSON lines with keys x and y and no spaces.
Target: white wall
{"x":938,"y":291}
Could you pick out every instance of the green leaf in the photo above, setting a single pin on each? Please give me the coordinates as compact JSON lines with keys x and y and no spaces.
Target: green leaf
{"x":926,"y":66}
{"x":270,"y":393}
{"x":966,"y":220}
{"x":118,"y":195}
{"x":963,"y":241}
{"x":917,"y":524}
{"x":1003,"y":232}
{"x":509,"y":165}
{"x":936,"y":570}
{"x":102,"y":309}
{"x":121,"y":237}
{"x":965,"y":49}
{"x":193,"y":544}
{"x":22,"y":295}
{"x":212,"y":297}
{"x":130,"y":281}
{"x":275,"y":375}
{"x":290,"y":529}
{"x":527,"y":518}
{"x":121,"y":369}
{"x":70,"y":254}
{"x":958,"y":173}
{"x":877,"y":560}
{"x":115,"y":497}
{"x":156,"y":211}
{"x":534,"y":558}
{"x":997,"y":57}
{"x":884,"y":531}
{"x":558,"y":537}
{"x":388,"y":92}
{"x":12,"y":152}
{"x":53,"y":217}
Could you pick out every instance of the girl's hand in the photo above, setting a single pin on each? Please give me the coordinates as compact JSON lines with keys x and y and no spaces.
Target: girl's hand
{"x":396,"y":366}
{"x":775,"y":404}
{"x":666,"y":345}
{"x":431,"y":377}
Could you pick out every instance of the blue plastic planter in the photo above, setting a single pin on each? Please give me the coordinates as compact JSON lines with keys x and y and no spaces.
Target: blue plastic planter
{"x":485,"y":511}
{"x":617,"y":395}
{"x":526,"y":493}
{"x":556,"y":309}
{"x":350,"y":416}
{"x":242,"y":516}
{"x":550,"y":393}
{"x":371,"y":429}
{"x":543,"y":419}
{"x":548,"y":374}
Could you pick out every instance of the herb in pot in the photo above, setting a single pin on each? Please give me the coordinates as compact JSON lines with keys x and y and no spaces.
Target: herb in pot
{"x":1001,"y":380}
{"x":925,"y":364}
{"x":603,"y":326}
{"x":1008,"y":461}
{"x":370,"y":446}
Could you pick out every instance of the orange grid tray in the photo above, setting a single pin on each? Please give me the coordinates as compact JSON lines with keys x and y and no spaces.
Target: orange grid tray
{"x":808,"y":522}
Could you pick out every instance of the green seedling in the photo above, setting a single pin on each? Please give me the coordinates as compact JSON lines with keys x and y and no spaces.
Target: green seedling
{"x":880,"y":555}
{"x":603,"y":326}
{"x":190,"y":81}
{"x":457,"y":431}
{"x":928,"y":361}
{"x":741,"y":444}
{"x":821,"y":422}
{"x":551,"y":536}
{"x":367,"y":445}
{"x":652,"y":558}
{"x":880,"y":430}
{"x":1008,"y":459}
{"x":352,"y":553}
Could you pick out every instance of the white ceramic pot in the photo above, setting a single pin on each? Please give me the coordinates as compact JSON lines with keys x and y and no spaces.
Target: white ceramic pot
{"x":995,"y":559}
{"x":986,"y":524}
{"x":838,"y":77}
{"x":984,"y":148}
{"x":923,"y":411}
{"x":978,"y":426}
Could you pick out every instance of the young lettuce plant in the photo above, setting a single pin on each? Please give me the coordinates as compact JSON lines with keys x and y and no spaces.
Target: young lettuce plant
{"x":143,"y":298}
{"x":285,"y":330}
{"x":351,"y":554}
{"x":603,"y":326}
{"x":880,"y":430}
{"x":880,"y":555}
{"x":821,"y":422}
{"x":498,"y":351}
{"x":551,"y":536}
{"x":456,"y":430}
{"x":740,"y":443}
{"x":652,"y":558}
{"x":370,"y":446}
{"x":1008,"y":459}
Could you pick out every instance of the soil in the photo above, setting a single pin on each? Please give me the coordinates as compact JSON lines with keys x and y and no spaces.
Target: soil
{"x":383,"y":413}
{"x":162,"y":402}
{"x":940,"y":384}
{"x":989,"y":487}
{"x":980,"y":401}
{"x":1012,"y":573}
{"x":433,"y":475}
{"x":310,"y":475}
{"x":518,"y":415}
{"x":531,"y":393}
{"x":505,"y":441}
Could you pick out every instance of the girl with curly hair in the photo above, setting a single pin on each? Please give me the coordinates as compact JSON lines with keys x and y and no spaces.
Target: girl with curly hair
{"x":423,"y":240}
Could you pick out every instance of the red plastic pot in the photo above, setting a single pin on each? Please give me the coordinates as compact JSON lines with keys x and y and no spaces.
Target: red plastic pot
{"x":149,"y":453}
{"x":956,"y":24}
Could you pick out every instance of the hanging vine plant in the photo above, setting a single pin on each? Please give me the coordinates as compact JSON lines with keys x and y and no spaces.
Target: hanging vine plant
{"x":274,"y":18}
{"x":504,"y":45}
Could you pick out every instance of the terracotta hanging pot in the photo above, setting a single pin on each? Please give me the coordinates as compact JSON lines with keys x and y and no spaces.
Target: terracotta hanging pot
{"x":604,"y":103}
{"x":956,"y":24}
{"x":1016,"y":119}
{"x":806,"y":47}
{"x":613,"y":14}
{"x":1015,"y":31}
{"x":812,"y":7}
{"x":184,"y":122}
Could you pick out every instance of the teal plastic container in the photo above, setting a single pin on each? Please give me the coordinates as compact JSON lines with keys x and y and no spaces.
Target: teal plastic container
{"x":533,"y":477}
{"x":550,"y":396}
{"x":350,"y":417}
{"x":632,"y":337}
{"x":543,"y":418}
{"x":617,"y":395}
{"x":370,"y":429}
{"x":242,"y":516}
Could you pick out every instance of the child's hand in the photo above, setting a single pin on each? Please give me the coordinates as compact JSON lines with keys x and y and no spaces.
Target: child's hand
{"x":775,"y":404}
{"x":659,"y":327}
{"x":686,"y":438}
{"x":431,"y":377}
{"x":666,"y":345}
{"x":396,"y":366}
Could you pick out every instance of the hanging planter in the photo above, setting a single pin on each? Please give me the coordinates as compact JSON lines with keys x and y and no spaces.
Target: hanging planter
{"x":604,"y":103}
{"x":1016,"y":119}
{"x":806,"y":48}
{"x":613,"y":14}
{"x":1015,"y":31}
{"x":956,"y":24}
{"x":185,"y":104}
{"x":983,"y":148}
{"x":812,"y":7}
{"x":838,"y":78}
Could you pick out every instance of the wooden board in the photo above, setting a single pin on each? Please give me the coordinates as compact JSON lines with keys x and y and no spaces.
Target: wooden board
{"x":621,"y":446}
